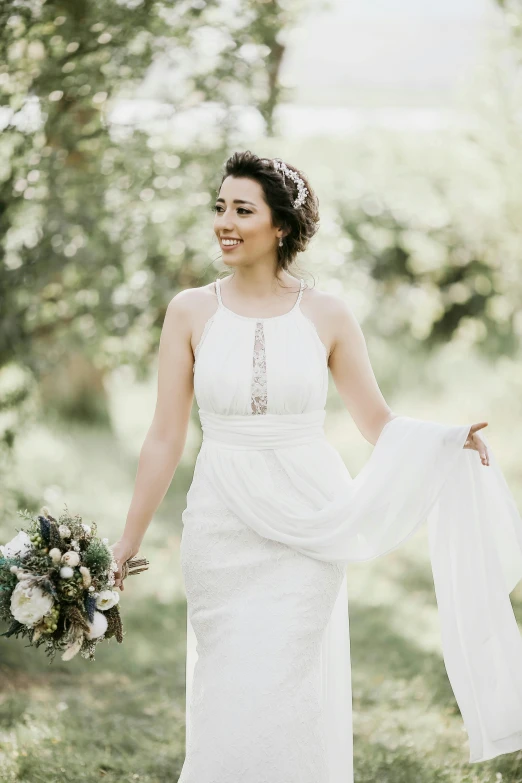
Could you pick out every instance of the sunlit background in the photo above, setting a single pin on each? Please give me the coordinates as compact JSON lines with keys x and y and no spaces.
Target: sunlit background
{"x":116,"y":117}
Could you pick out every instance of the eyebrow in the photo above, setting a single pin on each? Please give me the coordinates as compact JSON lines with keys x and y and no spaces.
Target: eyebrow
{"x":238,"y":201}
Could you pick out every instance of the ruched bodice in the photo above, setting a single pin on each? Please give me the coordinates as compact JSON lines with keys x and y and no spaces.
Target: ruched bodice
{"x":247,"y":365}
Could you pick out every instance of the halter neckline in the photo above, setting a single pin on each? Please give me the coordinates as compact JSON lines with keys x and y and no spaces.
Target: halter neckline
{"x":253,"y":317}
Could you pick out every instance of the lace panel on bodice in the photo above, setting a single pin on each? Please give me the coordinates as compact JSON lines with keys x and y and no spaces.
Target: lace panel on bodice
{"x":258,"y":398}
{"x":258,"y":388}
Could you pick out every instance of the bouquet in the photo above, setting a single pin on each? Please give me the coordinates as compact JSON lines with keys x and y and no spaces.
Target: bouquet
{"x":56,"y":580}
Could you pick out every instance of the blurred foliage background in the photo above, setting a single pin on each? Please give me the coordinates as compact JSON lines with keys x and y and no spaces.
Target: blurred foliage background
{"x":115,"y":120}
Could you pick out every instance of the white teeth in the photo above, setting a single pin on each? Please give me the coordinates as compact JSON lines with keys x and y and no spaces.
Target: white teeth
{"x":231,"y":241}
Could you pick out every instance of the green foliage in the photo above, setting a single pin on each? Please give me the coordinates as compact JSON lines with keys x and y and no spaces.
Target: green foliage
{"x":15,"y":628}
{"x":96,"y":557}
{"x":101,"y":222}
{"x":456,"y":282}
{"x":70,"y":195}
{"x":8,"y":582}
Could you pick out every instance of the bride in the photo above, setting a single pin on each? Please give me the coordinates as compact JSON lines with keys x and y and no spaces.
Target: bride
{"x":273,"y":516}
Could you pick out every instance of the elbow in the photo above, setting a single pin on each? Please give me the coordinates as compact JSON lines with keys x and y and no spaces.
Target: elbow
{"x":379,"y":425}
{"x":162,"y":452}
{"x":173,"y":441}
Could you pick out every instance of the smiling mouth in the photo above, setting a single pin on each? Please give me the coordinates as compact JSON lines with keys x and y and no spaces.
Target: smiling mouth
{"x":231,"y":243}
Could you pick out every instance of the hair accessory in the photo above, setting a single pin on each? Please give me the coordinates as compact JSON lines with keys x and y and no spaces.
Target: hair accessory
{"x":302,"y":190}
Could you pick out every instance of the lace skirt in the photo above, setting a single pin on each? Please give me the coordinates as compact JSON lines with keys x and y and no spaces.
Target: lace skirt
{"x":258,"y":609}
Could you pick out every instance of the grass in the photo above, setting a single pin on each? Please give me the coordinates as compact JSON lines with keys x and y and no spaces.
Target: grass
{"x":117,"y":719}
{"x":121,"y":718}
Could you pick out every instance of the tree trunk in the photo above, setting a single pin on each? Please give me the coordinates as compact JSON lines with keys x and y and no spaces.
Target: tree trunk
{"x":75,"y":390}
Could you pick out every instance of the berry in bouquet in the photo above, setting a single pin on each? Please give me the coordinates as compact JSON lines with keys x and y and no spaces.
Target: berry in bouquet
{"x":57,"y":585}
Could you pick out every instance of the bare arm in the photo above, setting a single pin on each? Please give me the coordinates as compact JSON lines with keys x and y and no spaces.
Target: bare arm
{"x":165,"y":440}
{"x":356,"y":383}
{"x":353,"y":374}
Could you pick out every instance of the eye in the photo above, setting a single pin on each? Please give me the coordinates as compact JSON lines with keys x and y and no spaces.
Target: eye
{"x":217,"y":208}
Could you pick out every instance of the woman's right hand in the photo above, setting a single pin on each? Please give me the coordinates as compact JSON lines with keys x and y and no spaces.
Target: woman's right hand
{"x":122,"y":551}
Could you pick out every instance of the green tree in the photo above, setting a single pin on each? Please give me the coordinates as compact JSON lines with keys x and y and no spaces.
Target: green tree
{"x":101,"y":221}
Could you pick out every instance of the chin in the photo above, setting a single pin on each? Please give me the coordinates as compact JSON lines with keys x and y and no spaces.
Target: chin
{"x":233,"y":262}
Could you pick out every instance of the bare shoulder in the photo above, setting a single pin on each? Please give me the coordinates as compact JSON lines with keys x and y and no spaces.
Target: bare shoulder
{"x":331,"y":314}
{"x":324,"y":301}
{"x":191,"y":308}
{"x":190,"y":299}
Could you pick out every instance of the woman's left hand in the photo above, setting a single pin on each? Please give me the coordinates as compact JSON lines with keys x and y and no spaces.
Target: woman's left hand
{"x":474,"y":441}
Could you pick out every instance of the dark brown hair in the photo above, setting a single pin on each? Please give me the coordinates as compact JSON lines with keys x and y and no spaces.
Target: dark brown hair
{"x":301,"y":223}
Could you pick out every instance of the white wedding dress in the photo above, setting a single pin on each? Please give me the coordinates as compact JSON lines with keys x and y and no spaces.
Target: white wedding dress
{"x":272,"y":519}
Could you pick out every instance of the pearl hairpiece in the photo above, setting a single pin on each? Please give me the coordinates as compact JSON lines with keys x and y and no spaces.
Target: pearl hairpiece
{"x":302,"y":190}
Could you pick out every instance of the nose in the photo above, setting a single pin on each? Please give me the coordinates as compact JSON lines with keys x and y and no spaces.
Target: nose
{"x":224,"y":220}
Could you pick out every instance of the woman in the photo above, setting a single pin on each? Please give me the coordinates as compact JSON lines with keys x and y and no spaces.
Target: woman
{"x":273,"y":515}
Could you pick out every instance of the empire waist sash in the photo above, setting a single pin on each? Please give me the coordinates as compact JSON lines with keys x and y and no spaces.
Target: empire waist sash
{"x":266,"y":431}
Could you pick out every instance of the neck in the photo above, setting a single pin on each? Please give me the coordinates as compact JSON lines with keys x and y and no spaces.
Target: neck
{"x":261,"y":284}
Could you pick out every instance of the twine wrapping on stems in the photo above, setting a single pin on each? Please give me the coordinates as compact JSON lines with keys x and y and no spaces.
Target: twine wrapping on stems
{"x":134,"y":566}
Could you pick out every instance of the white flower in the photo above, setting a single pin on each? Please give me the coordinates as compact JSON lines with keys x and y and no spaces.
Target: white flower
{"x":64,"y":531}
{"x":91,"y":589}
{"x":107,"y":599}
{"x":21,"y":574}
{"x":97,"y":627}
{"x":29,"y":604}
{"x":105,"y":540}
{"x":71,"y":558}
{"x":18,"y":546}
{"x":55,"y":555}
{"x":87,"y":528}
{"x":86,"y":576}
{"x":66,"y":572}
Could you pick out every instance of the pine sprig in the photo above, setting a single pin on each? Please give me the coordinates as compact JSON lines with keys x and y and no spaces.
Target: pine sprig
{"x":97,"y":557}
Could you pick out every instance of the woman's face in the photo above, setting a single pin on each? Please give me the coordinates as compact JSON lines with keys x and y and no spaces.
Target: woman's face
{"x":241,"y":213}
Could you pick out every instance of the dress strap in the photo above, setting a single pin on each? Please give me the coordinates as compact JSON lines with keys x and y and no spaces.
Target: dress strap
{"x":218,"y":291}
{"x":301,"y":289}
